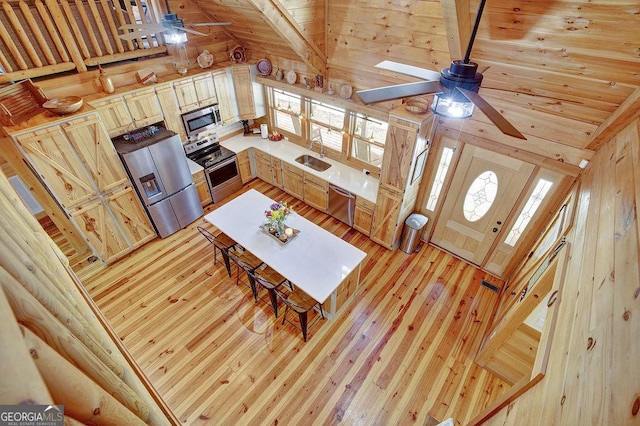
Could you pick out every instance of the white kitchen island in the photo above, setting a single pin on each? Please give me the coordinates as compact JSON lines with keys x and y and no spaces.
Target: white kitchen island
{"x":324,"y":266}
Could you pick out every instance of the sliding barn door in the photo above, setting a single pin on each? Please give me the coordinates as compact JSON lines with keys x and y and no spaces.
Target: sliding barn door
{"x":484,"y":190}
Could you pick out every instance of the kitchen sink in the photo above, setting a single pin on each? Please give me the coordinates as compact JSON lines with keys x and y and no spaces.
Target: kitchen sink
{"x":313,"y":162}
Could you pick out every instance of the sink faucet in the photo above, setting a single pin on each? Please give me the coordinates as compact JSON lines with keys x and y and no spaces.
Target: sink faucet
{"x":319,"y":140}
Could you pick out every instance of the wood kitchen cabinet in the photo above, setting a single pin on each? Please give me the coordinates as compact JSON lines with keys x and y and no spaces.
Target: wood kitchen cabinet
{"x":249,"y":93}
{"x":200,"y":181}
{"x":363,"y":215}
{"x":51,"y":154}
{"x":186,"y":94}
{"x":144,"y":108}
{"x":114,"y":114}
{"x":276,"y":172}
{"x":293,"y":180}
{"x":205,"y":90}
{"x":130,"y":215}
{"x":78,"y":164}
{"x":384,"y":229}
{"x":169,"y":105}
{"x":316,"y":192}
{"x":226,"y":98}
{"x":244,"y":166}
{"x":263,"y":166}
{"x":407,"y":139}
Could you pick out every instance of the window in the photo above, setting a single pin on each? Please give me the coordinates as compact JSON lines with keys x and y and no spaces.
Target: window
{"x":367,"y":139}
{"x":287,"y":110}
{"x":327,"y":124}
{"x":438,"y":182}
{"x":480,"y":196}
{"x":534,"y":201}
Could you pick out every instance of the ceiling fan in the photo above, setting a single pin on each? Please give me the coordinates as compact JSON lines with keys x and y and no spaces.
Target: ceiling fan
{"x":456,"y":87}
{"x":169,"y":22}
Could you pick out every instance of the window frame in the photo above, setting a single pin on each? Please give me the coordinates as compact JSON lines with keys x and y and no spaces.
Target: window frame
{"x":346,"y":128}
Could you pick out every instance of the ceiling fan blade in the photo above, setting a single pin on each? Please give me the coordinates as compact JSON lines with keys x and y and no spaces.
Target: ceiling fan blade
{"x":207,"y":24}
{"x":493,"y":114}
{"x":398,"y":91}
{"x":137,"y":34}
{"x":190,"y":31}
{"x":409,"y":70}
{"x":157,"y":27}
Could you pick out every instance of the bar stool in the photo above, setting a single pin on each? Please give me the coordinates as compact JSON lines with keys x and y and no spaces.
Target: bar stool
{"x":248,"y":262}
{"x":302,"y":303}
{"x":268,"y":278}
{"x":221,"y":242}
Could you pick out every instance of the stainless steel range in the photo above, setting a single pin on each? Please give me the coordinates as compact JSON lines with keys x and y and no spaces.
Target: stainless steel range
{"x":220,"y":166}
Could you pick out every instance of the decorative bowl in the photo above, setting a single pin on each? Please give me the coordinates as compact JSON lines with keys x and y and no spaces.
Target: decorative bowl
{"x":65,"y":105}
{"x":416,"y":106}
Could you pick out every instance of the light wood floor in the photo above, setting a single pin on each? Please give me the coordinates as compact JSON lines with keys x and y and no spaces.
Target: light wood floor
{"x":402,"y":350}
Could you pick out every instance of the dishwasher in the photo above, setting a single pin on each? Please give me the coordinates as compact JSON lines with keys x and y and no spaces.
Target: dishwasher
{"x":342,"y":204}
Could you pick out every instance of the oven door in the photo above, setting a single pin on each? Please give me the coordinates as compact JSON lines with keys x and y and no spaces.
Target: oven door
{"x":223,"y":179}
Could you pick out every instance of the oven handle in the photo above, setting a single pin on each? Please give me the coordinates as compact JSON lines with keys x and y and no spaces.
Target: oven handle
{"x":224,"y":163}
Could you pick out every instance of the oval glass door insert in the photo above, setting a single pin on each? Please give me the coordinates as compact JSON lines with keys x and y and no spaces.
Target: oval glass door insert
{"x":480,"y":196}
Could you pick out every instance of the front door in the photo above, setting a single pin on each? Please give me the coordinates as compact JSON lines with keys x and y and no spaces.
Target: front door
{"x":484,"y":190}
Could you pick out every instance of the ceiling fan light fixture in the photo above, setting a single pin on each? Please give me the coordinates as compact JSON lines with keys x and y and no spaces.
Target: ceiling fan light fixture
{"x":173,"y":35}
{"x":446,"y":106}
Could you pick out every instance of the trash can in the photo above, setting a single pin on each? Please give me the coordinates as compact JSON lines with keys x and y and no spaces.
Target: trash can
{"x":411,"y":233}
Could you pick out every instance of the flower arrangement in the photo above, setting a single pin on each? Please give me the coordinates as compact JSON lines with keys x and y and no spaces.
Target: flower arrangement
{"x":277,"y":214}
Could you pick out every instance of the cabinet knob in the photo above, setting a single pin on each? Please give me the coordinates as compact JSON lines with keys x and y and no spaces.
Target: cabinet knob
{"x":495,"y":229}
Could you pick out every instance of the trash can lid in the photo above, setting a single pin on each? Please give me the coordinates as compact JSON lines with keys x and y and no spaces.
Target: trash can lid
{"x":416,"y":221}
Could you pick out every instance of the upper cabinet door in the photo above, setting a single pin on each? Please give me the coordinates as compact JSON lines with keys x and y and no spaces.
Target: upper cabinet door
{"x":186,"y":94}
{"x":244,"y":92}
{"x":52,"y":156}
{"x":205,"y":90}
{"x":144,"y":108}
{"x":96,"y":151}
{"x":114,"y":114}
{"x":398,"y":153}
{"x":226,"y":98}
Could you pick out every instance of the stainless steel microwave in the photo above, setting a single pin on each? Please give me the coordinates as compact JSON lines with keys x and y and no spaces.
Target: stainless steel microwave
{"x":200,"y":120}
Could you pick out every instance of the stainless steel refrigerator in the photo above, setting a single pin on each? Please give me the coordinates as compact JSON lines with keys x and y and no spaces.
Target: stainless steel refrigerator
{"x":157,"y":165}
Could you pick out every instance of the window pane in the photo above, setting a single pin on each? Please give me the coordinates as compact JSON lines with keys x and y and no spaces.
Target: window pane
{"x":370,"y":129}
{"x":480,"y":196}
{"x":331,"y":139}
{"x":367,"y":139}
{"x":286,"y":101}
{"x":438,"y":182}
{"x":540,"y":191}
{"x":329,"y":115}
{"x":290,"y":123}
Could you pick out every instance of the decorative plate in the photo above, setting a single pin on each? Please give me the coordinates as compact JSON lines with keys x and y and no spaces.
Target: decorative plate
{"x":237,"y":55}
{"x":264,"y":67}
{"x":205,"y":59}
{"x":346,"y":91}
{"x":291,"y":77}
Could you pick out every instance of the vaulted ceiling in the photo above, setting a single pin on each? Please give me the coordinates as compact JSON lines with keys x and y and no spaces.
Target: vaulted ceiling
{"x":557,"y":69}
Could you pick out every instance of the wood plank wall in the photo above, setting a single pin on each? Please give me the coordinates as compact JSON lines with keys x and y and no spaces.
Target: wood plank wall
{"x":593,"y":375}
{"x":56,"y":347}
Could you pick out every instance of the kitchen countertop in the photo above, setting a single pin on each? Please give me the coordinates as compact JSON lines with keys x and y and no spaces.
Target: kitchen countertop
{"x":194,"y":167}
{"x":348,"y":178}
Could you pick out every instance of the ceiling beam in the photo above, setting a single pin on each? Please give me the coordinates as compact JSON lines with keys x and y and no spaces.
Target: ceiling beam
{"x":457,"y":23}
{"x":281,"y":21}
{"x":621,"y":117}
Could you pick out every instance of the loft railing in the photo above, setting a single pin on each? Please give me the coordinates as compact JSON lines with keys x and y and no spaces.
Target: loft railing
{"x":43,"y":37}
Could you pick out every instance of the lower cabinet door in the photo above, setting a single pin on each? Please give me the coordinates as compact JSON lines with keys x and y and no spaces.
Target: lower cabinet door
{"x":97,"y":225}
{"x":131,"y":216}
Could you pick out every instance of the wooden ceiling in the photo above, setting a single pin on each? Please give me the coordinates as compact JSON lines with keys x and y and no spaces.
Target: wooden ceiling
{"x":557,"y":69}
